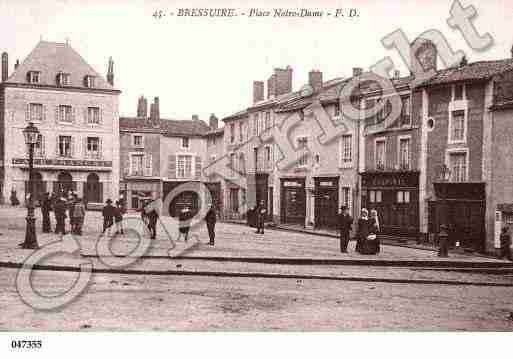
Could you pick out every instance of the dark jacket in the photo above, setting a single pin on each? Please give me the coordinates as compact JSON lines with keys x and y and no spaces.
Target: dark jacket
{"x":60,"y":210}
{"x":46,"y":204}
{"x":364,"y":228}
{"x":211,"y":216}
{"x":505,"y":240}
{"x":108,"y":211}
{"x":345,"y":222}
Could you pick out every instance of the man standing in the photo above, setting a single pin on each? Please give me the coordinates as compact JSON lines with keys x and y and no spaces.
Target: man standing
{"x":345,"y":222}
{"x":46,"y":207}
{"x":260,"y":213}
{"x":211,"y":219}
{"x":60,"y":216}
{"x":184,"y":223}
{"x":108,"y":216}
{"x":78,"y":216}
{"x":152,"y":216}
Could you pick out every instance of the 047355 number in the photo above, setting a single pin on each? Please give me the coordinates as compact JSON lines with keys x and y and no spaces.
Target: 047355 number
{"x":26,"y":344}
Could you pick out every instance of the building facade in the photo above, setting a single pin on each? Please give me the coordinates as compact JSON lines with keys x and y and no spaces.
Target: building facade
{"x":76,"y":112}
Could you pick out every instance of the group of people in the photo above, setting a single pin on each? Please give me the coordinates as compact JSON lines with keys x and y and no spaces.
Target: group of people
{"x":367,"y":241}
{"x":71,"y":207}
{"x":113,"y":215}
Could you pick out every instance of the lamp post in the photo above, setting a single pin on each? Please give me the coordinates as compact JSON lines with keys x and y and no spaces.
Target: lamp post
{"x":31,"y":134}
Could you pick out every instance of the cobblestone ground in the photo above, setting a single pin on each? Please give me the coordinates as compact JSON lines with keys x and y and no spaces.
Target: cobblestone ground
{"x":132,"y":302}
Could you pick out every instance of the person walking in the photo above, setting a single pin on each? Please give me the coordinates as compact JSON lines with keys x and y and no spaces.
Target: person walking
{"x":505,"y":240}
{"x":152,"y":215}
{"x":363,"y":230}
{"x":184,"y":223}
{"x":345,"y":222}
{"x":78,"y":216}
{"x":108,"y":216}
{"x":46,"y":207}
{"x":118,"y":217}
{"x":60,"y":216}
{"x":211,"y":219}
{"x":261,"y":212}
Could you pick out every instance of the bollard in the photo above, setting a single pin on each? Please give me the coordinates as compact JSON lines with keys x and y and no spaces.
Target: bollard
{"x":443,"y":242}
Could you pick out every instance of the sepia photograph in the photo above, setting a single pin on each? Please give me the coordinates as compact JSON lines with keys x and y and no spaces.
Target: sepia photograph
{"x":219,"y":166}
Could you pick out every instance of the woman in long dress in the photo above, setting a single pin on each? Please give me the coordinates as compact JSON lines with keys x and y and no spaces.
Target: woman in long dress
{"x":373,"y":245}
{"x":363,"y":231}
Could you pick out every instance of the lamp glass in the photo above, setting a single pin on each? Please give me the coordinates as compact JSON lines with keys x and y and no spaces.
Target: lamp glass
{"x":31,"y":134}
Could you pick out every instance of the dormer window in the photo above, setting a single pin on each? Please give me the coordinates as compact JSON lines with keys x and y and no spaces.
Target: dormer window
{"x":89,"y":81}
{"x":63,"y":79}
{"x":33,"y":77}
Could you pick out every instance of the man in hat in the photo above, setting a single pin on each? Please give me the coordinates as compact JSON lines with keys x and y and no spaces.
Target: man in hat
{"x":108,"y":216}
{"x":345,"y":222}
{"x":184,"y":223}
{"x":211,"y":219}
{"x":60,"y":215}
{"x":46,"y":207}
{"x":260,"y":213}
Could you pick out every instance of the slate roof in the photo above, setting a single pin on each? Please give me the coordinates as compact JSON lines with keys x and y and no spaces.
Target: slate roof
{"x":137,"y":123}
{"x":50,"y":58}
{"x":172,"y":128}
{"x":480,"y":70}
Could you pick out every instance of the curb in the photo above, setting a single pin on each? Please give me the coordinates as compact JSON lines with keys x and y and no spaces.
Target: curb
{"x":256,"y":275}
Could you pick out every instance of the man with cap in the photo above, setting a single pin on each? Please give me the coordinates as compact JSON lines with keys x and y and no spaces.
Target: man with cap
{"x":108,"y":216}
{"x":260,"y":212}
{"x":345,"y":222}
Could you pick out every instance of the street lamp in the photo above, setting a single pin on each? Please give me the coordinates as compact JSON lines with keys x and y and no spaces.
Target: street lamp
{"x":31,"y":134}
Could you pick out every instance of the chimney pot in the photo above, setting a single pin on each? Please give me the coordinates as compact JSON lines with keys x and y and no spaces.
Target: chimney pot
{"x":315,"y":79}
{"x":213,"y":122}
{"x":357,"y":71}
{"x":195,"y":117}
{"x":258,"y":91}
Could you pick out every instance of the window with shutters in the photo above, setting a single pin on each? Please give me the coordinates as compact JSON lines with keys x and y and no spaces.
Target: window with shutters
{"x":63,"y":79}
{"x":39,"y":147}
{"x":302,"y":145}
{"x":379,"y":154}
{"x":93,"y":147}
{"x":346,"y":150}
{"x":93,"y":115}
{"x":255,"y":124}
{"x":64,"y":146}
{"x":233,"y":165}
{"x":148,"y":170}
{"x":184,"y":166}
{"x":457,"y":127}
{"x":267,"y":120}
{"x":89,"y":81}
{"x":36,"y":112}
{"x":404,"y":153}
{"x":458,"y":166}
{"x":232,"y":133}
{"x":65,"y":113}
{"x":242,"y":164}
{"x":33,"y":77}
{"x":137,"y":164}
{"x":185,"y":142}
{"x":405,"y":111}
{"x":268,"y":158}
{"x":241,"y":131}
{"x":137,"y":141}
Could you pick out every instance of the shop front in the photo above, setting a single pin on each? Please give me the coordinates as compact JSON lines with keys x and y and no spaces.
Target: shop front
{"x":326,"y":202}
{"x":395,"y":196}
{"x":138,"y":192}
{"x":293,"y":200}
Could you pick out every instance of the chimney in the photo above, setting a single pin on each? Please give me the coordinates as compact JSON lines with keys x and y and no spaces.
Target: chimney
{"x":152,"y":111}
{"x":397,"y":74}
{"x":195,"y":117}
{"x":110,"y":72}
{"x":258,"y":91}
{"x":5,"y":66}
{"x":213,"y":122}
{"x":423,"y":56}
{"x":142,"y":107}
{"x":315,"y":79}
{"x":357,"y":71}
{"x":16,"y":64}
{"x":156,"y":105}
{"x":271,"y":86}
{"x":283,"y":79}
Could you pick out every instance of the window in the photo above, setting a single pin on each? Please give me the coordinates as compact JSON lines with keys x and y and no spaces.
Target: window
{"x":458,"y":166}
{"x":89,"y":81}
{"x":302,"y":144}
{"x":346,"y":197}
{"x":93,"y":147}
{"x":380,"y":114}
{"x":458,"y":126}
{"x":63,"y":79}
{"x":403,"y":197}
{"x":64,"y":146}
{"x":185,"y":142}
{"x":232,"y":133}
{"x":33,"y":77}
{"x":404,"y":153}
{"x":233,"y":164}
{"x":39,"y":147}
{"x":138,"y":141}
{"x":458,"y":91}
{"x":136,"y":164}
{"x":346,"y":144}
{"x":380,"y":154}
{"x":405,"y":111}
{"x":375,"y":196}
{"x":65,"y":113}
{"x":337,"y":109}
{"x":36,"y":112}
{"x":255,"y":125}
{"x":242,"y":164}
{"x":267,"y":120}
{"x":184,"y":166}
{"x":93,"y":115}
{"x":241,"y":131}
{"x":268,"y":157}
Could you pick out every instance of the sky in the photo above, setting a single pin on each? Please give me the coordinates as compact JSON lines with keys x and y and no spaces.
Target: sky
{"x":201,"y":65}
